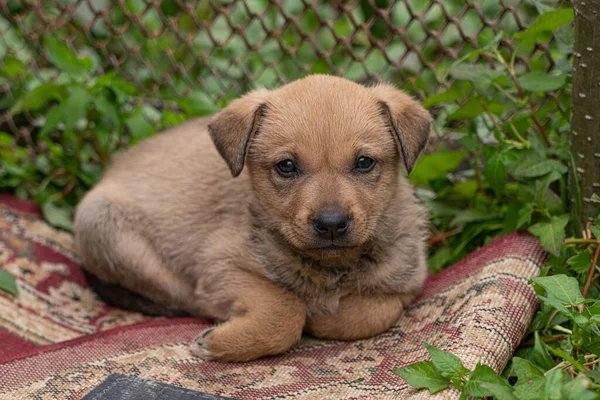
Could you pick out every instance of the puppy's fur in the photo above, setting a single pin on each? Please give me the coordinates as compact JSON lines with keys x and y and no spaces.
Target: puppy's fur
{"x":169,"y":222}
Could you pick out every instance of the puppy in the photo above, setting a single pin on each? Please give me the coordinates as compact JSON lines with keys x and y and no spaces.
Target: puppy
{"x":318,"y":230}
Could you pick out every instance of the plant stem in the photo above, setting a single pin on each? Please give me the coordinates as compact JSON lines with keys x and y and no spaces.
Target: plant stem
{"x":443,"y":236}
{"x":540,"y":128}
{"x":504,"y":92}
{"x":552,"y":316}
{"x":562,"y":365}
{"x":588,"y":281}
{"x":592,"y":363}
{"x":104,"y":157}
{"x":513,"y":75}
{"x":476,"y":165}
{"x":580,"y":241}
{"x":491,"y":117}
{"x":516,"y":132}
{"x":530,"y":343}
{"x":562,"y":329}
{"x":67,"y":189}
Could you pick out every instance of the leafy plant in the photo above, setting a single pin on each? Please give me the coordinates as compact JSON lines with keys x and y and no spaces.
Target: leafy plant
{"x":514,"y":177}
{"x":530,"y":382}
{"x":82,"y":119}
{"x":511,"y":172}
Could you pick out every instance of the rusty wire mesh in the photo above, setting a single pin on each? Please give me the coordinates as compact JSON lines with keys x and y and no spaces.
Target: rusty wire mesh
{"x":216,"y":50}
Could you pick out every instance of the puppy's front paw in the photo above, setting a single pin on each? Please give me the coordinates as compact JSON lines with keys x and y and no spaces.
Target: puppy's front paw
{"x":357,"y":318}
{"x":226,"y":343}
{"x":199,"y":346}
{"x":237,"y":340}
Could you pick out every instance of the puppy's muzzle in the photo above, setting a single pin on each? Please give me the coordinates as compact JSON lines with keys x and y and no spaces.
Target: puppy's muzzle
{"x":332,"y":223}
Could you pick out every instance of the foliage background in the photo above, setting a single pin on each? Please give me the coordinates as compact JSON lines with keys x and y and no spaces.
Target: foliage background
{"x":83,"y":80}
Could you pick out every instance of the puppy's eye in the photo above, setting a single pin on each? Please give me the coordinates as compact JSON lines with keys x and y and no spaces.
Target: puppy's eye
{"x":286,"y":168}
{"x":364,"y":164}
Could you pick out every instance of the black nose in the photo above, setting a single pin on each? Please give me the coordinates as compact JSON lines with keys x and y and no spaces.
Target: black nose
{"x":332,"y":223}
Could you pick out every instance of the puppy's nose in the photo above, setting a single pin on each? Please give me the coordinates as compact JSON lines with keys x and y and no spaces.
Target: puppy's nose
{"x":332,"y":223}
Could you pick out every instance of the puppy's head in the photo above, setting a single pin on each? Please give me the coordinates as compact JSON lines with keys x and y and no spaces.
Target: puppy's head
{"x":325,"y":157}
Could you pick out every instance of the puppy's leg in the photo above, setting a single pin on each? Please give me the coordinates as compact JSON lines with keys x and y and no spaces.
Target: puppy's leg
{"x":358,"y":317}
{"x":264,"y":320}
{"x":113,"y":249}
{"x":147,"y":275}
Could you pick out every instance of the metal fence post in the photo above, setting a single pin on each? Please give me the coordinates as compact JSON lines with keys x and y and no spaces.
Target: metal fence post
{"x":585,"y":111}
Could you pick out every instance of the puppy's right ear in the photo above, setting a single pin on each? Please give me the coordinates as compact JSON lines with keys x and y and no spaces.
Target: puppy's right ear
{"x":233,"y":128}
{"x":409,"y":122}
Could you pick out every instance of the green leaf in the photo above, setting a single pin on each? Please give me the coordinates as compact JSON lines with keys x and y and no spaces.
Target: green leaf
{"x":535,"y":168}
{"x":546,"y":22}
{"x":539,"y":81}
{"x":108,"y":109}
{"x":581,"y":320}
{"x":446,"y":363}
{"x":577,"y":389}
{"x":75,"y":107}
{"x":540,"y":353}
{"x":594,"y":375}
{"x":594,"y":309}
{"x":525,"y":370}
{"x":53,"y":118}
{"x":562,"y":288}
{"x":581,"y":262}
{"x":495,"y":173}
{"x":8,"y":283}
{"x":553,"y":385}
{"x":198,"y":104}
{"x":551,"y":301}
{"x":464,"y":217}
{"x":480,"y":75}
{"x":545,"y":196}
{"x":56,"y":216}
{"x":483,"y":374}
{"x":43,"y":165}
{"x":595,"y":198}
{"x":61,"y":56}
{"x":499,"y":392}
{"x":469,"y":110}
{"x":423,"y":375}
{"x":454,"y":93}
{"x":439,"y":259}
{"x":434,"y":166}
{"x":466,"y":189}
{"x":13,"y":66}
{"x":524,"y":215}
{"x":530,"y":379}
{"x":139,"y":126}
{"x":39,"y":96}
{"x":116,"y":84}
{"x":551,"y":234}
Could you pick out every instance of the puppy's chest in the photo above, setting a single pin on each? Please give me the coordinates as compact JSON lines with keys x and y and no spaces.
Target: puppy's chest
{"x":320,"y":288}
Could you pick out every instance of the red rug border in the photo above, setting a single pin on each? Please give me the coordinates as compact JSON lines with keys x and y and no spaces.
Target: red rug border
{"x":20,"y":205}
{"x":87,"y":338}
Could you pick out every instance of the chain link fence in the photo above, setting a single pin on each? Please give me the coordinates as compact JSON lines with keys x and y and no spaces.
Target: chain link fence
{"x":210,"y":51}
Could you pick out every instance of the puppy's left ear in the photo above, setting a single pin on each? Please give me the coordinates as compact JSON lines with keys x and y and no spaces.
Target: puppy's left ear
{"x":408,"y":121}
{"x":233,"y":128}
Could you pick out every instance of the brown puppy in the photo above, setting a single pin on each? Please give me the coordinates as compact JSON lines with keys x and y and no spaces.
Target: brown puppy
{"x":320,"y":232}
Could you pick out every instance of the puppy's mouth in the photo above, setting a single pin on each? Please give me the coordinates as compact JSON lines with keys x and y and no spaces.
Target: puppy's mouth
{"x":332,"y":247}
{"x":332,"y":251}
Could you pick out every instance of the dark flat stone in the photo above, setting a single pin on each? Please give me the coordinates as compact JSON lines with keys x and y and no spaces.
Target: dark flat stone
{"x":121,"y":387}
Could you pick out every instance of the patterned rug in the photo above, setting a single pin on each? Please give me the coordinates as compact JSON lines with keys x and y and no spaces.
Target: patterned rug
{"x":58,"y":340}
